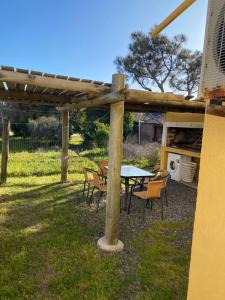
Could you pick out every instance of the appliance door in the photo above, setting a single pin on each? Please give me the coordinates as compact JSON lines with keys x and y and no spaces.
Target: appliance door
{"x":173,"y":166}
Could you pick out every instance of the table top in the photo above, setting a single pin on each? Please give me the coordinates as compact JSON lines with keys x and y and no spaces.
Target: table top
{"x":132,"y":172}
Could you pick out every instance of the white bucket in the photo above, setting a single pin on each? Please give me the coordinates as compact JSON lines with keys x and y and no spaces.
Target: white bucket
{"x":188,"y":171}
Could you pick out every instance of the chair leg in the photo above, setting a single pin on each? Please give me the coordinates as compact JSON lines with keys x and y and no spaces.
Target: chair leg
{"x":88,"y":191}
{"x":144,"y":210}
{"x":166,"y":197}
{"x":84,"y":188}
{"x":89,"y":201}
{"x":151,"y":204}
{"x":129,"y":205}
{"x":162,"y":216}
{"x":98,"y":201}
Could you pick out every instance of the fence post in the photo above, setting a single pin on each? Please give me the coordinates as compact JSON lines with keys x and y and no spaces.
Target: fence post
{"x":110,"y":241}
{"x":65,"y":145}
{"x":5,"y":149}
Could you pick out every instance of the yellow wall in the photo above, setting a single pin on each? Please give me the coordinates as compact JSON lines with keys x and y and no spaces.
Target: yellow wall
{"x":184,"y":117}
{"x":207,"y":270}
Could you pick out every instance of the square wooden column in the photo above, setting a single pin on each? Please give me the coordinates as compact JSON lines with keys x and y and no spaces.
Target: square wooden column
{"x":65,"y":145}
{"x":5,"y":149}
{"x":110,"y":242}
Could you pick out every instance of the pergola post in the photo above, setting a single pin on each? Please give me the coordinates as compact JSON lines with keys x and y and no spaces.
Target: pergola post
{"x":65,"y":145}
{"x":5,"y":149}
{"x":110,"y":241}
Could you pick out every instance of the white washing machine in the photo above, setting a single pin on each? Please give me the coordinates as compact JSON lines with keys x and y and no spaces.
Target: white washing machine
{"x":174,"y":165}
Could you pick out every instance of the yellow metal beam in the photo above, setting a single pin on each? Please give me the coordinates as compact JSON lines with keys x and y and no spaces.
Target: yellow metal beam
{"x":178,"y":11}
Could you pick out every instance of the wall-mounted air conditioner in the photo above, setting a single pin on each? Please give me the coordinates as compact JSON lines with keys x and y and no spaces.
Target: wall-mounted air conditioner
{"x":212,"y":83}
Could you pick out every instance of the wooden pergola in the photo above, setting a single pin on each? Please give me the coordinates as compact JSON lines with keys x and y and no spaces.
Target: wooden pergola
{"x":69,"y":93}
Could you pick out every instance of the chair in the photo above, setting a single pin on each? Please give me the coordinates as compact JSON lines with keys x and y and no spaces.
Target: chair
{"x":100,"y":185}
{"x":153,"y":192}
{"x":163,"y":175}
{"x":102,"y":166}
{"x":87,"y":180}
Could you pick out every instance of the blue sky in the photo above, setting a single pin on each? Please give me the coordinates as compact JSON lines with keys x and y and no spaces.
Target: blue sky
{"x":82,"y":38}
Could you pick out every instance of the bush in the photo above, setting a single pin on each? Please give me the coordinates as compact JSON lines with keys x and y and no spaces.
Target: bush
{"x":45,"y":127}
{"x":101,"y":134}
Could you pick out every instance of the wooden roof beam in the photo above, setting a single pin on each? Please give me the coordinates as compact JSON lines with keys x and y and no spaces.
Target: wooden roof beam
{"x":97,"y":102}
{"x":29,"y":97}
{"x":49,"y":82}
{"x":162,"y":108}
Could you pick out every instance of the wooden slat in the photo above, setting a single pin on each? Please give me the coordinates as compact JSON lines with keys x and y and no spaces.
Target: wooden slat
{"x":28,"y":97}
{"x":36,"y":73}
{"x":86,"y":80}
{"x":24,"y":71}
{"x":74,"y":79}
{"x":62,"y":77}
{"x":7,"y":68}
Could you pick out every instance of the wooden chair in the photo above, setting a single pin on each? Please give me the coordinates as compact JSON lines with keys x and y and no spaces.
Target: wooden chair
{"x":153,"y":192}
{"x":100,"y":185}
{"x":102,"y":165}
{"x":89,"y":181}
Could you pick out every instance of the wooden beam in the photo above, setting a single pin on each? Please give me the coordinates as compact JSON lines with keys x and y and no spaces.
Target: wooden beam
{"x":50,"y":82}
{"x":5,"y":149}
{"x":169,"y":100}
{"x":140,"y":96}
{"x":162,"y":108}
{"x":110,"y":242}
{"x":96,"y":102}
{"x":65,"y":146}
{"x":29,"y":97}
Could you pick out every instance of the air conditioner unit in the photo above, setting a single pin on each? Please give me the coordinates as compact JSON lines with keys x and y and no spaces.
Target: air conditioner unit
{"x":212,"y":83}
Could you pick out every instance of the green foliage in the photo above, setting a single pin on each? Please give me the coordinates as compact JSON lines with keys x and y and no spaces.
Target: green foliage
{"x":93,"y":125}
{"x":188,"y":72}
{"x":151,"y":61}
{"x":45,"y":127}
{"x":128,"y":124}
{"x":101,"y":134}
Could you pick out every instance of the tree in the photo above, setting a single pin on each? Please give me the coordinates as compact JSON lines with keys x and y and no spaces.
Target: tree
{"x":151,"y":61}
{"x":188,"y":72}
{"x":128,"y":123}
{"x":93,"y":125}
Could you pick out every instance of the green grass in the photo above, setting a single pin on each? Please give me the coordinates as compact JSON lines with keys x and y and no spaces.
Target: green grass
{"x":48,"y":240}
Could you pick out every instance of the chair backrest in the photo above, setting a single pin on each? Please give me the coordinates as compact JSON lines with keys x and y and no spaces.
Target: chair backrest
{"x":87,"y":171}
{"x":164,"y":176}
{"x":154,"y":189}
{"x":97,"y":180}
{"x":102,"y":165}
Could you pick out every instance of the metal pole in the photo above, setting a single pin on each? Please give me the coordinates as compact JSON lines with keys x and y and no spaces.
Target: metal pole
{"x":139,"y":132}
{"x":178,"y":11}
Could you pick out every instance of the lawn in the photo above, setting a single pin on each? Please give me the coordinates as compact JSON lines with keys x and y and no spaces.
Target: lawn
{"x":48,"y":239}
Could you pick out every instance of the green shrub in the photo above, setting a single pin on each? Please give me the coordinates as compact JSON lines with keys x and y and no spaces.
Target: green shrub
{"x":101,"y":134}
{"x":45,"y":127}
